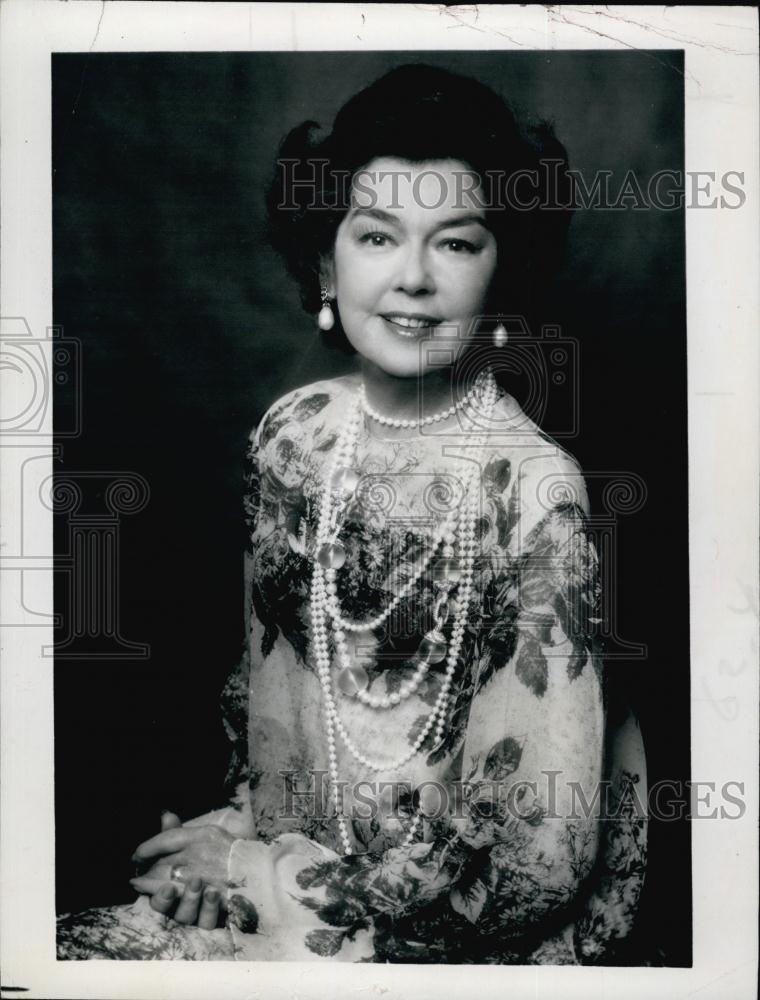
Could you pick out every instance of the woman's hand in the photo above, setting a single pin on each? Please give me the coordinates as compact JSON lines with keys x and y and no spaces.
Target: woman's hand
{"x":200,"y":851}
{"x":194,"y":904}
{"x":184,"y":858}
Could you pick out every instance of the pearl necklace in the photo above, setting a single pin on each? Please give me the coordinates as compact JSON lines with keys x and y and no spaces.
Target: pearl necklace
{"x":424,"y":421}
{"x":341,"y":481}
{"x":354,"y":679}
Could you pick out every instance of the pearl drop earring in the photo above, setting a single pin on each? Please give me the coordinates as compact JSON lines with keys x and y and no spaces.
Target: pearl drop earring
{"x":499,"y":336}
{"x":326,"y":319}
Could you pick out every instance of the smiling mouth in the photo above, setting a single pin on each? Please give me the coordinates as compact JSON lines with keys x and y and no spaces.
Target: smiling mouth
{"x":410,"y":326}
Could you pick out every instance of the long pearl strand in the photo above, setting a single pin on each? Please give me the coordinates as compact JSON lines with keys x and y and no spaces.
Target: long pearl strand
{"x":324,"y":602}
{"x":343,"y":479}
{"x":444,"y":532}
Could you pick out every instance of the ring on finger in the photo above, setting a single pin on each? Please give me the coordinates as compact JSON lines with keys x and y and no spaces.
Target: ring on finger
{"x":176,"y":875}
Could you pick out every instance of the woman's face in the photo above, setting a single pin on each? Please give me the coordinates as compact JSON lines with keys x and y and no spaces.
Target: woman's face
{"x":413,"y":262}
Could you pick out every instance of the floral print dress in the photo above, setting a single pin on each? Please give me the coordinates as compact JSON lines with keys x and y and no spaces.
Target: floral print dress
{"x":532,"y":849}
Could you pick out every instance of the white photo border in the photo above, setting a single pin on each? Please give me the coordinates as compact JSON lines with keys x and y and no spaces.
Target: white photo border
{"x":722,"y":264}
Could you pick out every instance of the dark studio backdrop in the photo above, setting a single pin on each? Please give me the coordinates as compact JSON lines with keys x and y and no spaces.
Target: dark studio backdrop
{"x":190,"y":328}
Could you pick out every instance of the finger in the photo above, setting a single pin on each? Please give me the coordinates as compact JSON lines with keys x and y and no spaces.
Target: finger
{"x":166,"y":842}
{"x":162,"y":868}
{"x":208,"y":915}
{"x":164,"y":898}
{"x":187,"y":910}
{"x":149,"y":886}
{"x":170,"y":820}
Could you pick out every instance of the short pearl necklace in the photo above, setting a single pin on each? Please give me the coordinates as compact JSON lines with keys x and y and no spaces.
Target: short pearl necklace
{"x":458,"y":526}
{"x":424,"y":421}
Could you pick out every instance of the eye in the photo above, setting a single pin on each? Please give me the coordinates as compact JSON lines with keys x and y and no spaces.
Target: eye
{"x":461,"y":246}
{"x":375,"y":239}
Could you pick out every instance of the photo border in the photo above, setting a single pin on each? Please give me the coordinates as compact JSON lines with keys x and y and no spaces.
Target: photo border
{"x":723,"y":260}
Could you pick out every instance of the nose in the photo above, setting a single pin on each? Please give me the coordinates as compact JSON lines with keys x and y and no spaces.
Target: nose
{"x":414,"y":274}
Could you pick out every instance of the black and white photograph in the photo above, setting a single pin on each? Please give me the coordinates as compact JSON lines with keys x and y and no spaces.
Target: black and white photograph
{"x":398,"y":475}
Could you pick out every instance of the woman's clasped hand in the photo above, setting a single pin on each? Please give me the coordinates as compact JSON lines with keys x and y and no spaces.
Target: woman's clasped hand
{"x":187,"y":876}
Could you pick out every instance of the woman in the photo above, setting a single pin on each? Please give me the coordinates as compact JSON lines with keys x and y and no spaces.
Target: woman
{"x":422,"y":704}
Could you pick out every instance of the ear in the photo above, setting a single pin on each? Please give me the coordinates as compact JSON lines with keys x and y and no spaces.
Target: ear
{"x":327,"y":273}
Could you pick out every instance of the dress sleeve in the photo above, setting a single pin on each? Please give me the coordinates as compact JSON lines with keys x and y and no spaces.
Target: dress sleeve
{"x":606,"y":931}
{"x":234,"y":696}
{"x":520,"y":835}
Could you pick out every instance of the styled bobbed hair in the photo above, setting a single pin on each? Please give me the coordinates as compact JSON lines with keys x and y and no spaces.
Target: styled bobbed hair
{"x":420,"y":113}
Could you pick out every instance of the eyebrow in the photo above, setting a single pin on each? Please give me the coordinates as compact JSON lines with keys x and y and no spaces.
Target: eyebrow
{"x":455,"y":221}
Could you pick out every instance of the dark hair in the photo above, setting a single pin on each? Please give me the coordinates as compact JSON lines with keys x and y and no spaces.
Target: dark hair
{"x":420,"y":113}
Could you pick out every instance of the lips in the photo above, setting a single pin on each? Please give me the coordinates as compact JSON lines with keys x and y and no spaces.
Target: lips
{"x":410,"y":324}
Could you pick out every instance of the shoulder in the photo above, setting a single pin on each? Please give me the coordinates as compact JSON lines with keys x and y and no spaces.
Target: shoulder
{"x":539,"y":475}
{"x":301,"y":411}
{"x":551,"y":477}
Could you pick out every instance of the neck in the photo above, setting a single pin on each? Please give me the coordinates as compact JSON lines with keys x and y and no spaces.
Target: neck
{"x":416,"y":396}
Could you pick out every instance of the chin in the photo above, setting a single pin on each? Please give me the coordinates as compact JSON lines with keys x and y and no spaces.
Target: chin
{"x":394,"y":355}
{"x":398,"y":367}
